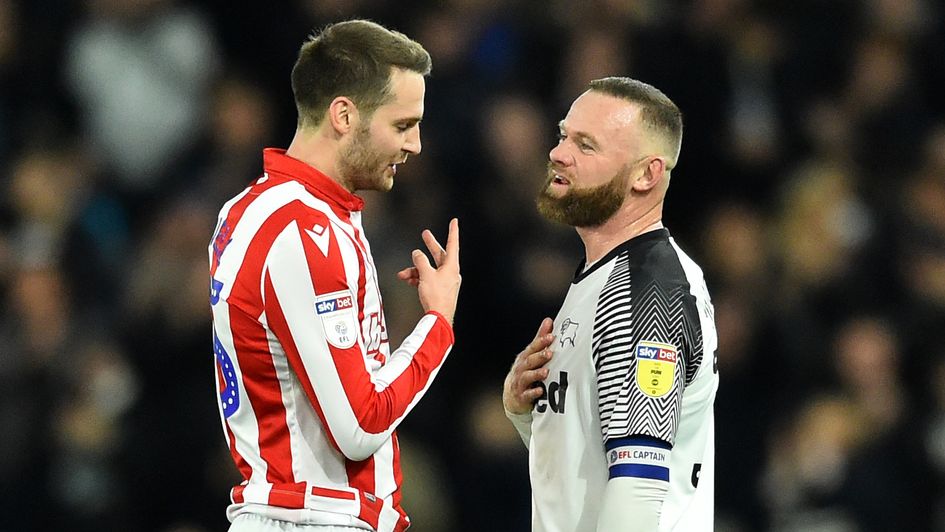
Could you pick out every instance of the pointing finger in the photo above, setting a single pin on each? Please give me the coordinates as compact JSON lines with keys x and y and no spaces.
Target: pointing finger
{"x":452,"y":241}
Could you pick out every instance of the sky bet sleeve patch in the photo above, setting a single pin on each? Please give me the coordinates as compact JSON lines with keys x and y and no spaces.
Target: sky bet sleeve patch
{"x":336,"y":311}
{"x":656,"y":367}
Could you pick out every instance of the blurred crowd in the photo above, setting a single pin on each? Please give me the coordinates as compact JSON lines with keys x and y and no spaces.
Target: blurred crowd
{"x":811,"y":188}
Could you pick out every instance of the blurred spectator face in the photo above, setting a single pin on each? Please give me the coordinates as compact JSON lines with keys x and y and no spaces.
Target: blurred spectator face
{"x":823,"y":223}
{"x":926,"y":199}
{"x":39,"y":180}
{"x":925,"y":273}
{"x":39,"y":299}
{"x":867,"y":354}
{"x":906,"y":18}
{"x":825,"y":433}
{"x":827,"y":125}
{"x":446,"y":36}
{"x":735,"y":244}
{"x":511,"y":127}
{"x":242,"y":118}
{"x":38,"y":296}
{"x":592,"y":54}
{"x":879,"y":73}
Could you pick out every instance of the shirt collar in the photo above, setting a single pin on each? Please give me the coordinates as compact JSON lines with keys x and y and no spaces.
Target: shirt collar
{"x":275,"y":161}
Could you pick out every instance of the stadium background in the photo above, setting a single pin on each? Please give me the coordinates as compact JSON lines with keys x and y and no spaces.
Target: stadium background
{"x":811,"y":188}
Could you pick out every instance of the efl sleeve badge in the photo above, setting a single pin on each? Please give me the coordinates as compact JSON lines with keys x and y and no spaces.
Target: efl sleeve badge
{"x":656,"y":367}
{"x":337,"y":314}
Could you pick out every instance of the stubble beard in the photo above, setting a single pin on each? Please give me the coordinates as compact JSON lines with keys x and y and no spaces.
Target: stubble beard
{"x":362,"y":166}
{"x":587,"y":207}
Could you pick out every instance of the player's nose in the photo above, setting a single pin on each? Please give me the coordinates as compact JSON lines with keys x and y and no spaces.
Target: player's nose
{"x":413,"y":145}
{"x":559,"y":155}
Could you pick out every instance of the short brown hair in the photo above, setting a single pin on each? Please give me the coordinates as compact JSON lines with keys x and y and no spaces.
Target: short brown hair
{"x":353,"y":59}
{"x":657,"y":111}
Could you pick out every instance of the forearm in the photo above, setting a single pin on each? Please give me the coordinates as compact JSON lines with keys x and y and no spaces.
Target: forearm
{"x":427,"y":353}
{"x":371,"y":407}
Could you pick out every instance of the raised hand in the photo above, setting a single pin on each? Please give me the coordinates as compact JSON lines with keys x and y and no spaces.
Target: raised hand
{"x":438,"y":287}
{"x":520,"y":391}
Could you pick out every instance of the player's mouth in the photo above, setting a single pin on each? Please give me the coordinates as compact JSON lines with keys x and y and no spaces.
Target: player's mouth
{"x":393,"y":166}
{"x":558,"y":179}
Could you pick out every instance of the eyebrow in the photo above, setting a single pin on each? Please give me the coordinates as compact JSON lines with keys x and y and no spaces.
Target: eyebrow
{"x":410,"y":120}
{"x":587,"y":137}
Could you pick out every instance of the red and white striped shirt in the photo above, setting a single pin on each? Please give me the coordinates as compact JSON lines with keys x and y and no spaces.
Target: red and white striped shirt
{"x":310,"y":393}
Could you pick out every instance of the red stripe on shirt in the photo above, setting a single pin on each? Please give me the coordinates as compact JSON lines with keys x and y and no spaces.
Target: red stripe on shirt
{"x":259,"y":379}
{"x":261,"y":386}
{"x":280,"y":327}
{"x":334,"y":494}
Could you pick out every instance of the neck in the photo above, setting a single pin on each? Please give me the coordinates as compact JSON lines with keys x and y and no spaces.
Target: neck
{"x":319,"y":150}
{"x":626,"y":224}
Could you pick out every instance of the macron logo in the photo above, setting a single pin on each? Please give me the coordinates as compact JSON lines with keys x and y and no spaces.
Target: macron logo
{"x":320,"y":235}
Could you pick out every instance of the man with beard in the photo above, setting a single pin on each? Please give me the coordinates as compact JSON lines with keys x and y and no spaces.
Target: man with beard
{"x":310,"y":393}
{"x":618,"y":422}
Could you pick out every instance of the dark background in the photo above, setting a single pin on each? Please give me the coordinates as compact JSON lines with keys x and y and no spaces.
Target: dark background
{"x":811,"y":188}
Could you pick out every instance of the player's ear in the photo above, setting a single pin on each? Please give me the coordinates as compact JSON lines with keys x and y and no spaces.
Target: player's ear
{"x":342,"y":115}
{"x":653,"y":174}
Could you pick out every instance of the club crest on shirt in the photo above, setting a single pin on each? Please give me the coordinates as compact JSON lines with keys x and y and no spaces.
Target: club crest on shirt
{"x":568,"y":332}
{"x":336,"y":311}
{"x":656,"y":367}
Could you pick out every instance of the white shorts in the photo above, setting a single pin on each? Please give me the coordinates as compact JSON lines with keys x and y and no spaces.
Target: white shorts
{"x":258,"y":523}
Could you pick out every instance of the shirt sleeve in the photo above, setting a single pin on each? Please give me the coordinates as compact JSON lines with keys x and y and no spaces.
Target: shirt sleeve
{"x":631,"y":505}
{"x":311,"y":299}
{"x":523,"y":425}
{"x":641,"y":363}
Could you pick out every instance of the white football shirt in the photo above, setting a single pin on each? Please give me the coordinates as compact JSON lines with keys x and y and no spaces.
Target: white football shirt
{"x":630,"y":390}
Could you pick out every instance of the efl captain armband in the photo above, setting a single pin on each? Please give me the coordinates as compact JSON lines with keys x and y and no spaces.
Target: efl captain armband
{"x":639,"y":457}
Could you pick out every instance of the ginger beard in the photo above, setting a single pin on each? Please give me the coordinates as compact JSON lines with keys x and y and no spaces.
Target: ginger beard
{"x":362,"y":164}
{"x":583,"y":207}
